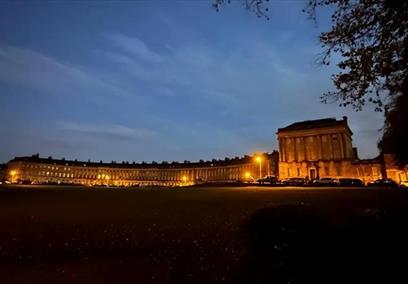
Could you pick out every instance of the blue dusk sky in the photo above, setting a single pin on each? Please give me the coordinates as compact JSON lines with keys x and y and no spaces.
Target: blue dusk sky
{"x":161,"y":80}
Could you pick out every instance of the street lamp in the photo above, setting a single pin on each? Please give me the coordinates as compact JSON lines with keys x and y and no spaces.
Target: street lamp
{"x":12,"y":173}
{"x":258,"y":159}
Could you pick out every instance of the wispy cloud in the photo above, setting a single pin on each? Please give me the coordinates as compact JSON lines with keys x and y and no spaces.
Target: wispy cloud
{"x":116,"y":131}
{"x":44,"y":74}
{"x":252,"y":84}
{"x":134,"y":46}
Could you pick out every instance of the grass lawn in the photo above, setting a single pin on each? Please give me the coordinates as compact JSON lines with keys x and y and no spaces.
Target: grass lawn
{"x":201,"y":235}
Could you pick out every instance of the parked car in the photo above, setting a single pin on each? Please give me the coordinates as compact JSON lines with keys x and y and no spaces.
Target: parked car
{"x":383,"y":183}
{"x":350,"y":182}
{"x":295,"y":182}
{"x":325,"y":182}
{"x":404,"y":184}
{"x":268,"y":180}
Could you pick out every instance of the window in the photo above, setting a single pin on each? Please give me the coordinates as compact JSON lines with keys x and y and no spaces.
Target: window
{"x":375,"y":171}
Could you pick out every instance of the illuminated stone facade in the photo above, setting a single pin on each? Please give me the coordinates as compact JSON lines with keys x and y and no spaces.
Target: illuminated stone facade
{"x":41,"y":171}
{"x":316,"y":148}
{"x":323,"y":148}
{"x":393,"y":172}
{"x":309,"y":149}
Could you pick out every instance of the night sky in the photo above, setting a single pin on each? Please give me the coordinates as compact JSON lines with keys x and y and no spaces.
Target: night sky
{"x":161,"y":80}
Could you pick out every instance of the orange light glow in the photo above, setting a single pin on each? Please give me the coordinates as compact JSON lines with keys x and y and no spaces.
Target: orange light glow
{"x":247,"y":175}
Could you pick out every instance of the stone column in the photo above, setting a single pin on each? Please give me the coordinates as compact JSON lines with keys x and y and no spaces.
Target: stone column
{"x":320,"y":145}
{"x":280,"y":150}
{"x":295,"y":149}
{"x":306,"y":156}
{"x":340,"y":138}
{"x":331,"y":154}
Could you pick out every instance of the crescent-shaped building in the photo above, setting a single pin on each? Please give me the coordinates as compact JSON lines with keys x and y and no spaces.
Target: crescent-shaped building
{"x":309,"y":149}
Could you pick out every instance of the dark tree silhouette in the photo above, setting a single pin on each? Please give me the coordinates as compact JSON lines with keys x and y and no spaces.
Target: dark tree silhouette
{"x":371,"y":38}
{"x":256,"y":6}
{"x":395,"y":138}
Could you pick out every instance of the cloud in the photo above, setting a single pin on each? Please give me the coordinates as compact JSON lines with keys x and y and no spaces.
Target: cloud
{"x":115,"y":131}
{"x":134,"y":46}
{"x":256,"y":84}
{"x":36,"y":71}
{"x":210,"y":94}
{"x":115,"y":57}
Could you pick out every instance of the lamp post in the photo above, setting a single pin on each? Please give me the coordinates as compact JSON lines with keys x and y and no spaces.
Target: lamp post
{"x":259,"y":160}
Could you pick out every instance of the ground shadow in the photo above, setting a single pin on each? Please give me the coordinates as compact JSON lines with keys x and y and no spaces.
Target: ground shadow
{"x":303,"y":244}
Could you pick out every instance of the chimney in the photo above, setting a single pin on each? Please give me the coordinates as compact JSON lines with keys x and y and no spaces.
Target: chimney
{"x":345,"y":118}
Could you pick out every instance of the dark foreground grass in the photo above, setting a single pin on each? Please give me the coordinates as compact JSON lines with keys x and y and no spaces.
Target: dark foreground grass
{"x":202,"y":235}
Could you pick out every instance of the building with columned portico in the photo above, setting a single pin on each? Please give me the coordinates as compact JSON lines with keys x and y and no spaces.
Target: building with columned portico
{"x":308,"y":149}
{"x":315,"y":148}
{"x":323,"y":148}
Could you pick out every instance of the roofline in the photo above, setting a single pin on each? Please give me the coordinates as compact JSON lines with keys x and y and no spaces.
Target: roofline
{"x":209,"y":163}
{"x":343,"y":122}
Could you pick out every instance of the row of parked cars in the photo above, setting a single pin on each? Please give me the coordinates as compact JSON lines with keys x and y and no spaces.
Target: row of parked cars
{"x":342,"y":182}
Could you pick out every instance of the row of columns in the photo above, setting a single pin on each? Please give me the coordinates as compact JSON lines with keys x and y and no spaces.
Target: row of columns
{"x":291,"y":150}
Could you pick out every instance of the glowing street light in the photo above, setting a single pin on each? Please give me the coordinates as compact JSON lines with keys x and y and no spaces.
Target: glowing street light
{"x":13,"y":174}
{"x":247,"y":175}
{"x":258,"y":159}
{"x":184,"y":178}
